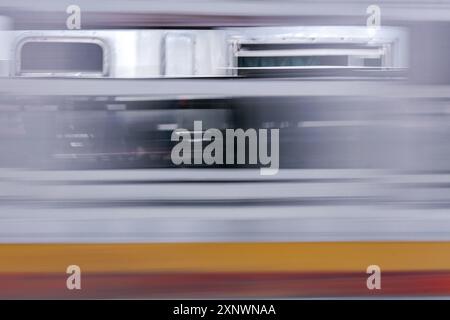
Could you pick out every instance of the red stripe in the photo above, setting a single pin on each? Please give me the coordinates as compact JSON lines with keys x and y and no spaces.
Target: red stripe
{"x":223,"y":285}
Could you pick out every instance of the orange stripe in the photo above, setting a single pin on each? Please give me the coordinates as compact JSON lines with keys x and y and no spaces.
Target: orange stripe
{"x":226,"y":257}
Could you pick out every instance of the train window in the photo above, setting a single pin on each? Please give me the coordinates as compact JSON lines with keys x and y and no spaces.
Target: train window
{"x":268,"y":58}
{"x":61,"y":58}
{"x":305,"y":61}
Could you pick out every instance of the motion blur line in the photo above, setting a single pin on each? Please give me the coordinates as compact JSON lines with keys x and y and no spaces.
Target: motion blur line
{"x":226,"y":257}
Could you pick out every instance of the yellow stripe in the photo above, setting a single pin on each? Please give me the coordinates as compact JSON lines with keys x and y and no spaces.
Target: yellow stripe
{"x":226,"y":257}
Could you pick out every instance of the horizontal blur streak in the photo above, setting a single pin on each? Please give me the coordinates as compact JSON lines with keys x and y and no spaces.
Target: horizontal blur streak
{"x":226,"y":257}
{"x":225,"y":270}
{"x":213,"y":205}
{"x":223,"y":285}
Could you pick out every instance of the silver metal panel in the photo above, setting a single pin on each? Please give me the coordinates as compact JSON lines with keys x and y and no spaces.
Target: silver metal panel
{"x":205,"y":53}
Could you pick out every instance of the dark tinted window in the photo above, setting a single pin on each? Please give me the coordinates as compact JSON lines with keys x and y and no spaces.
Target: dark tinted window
{"x":61,"y":57}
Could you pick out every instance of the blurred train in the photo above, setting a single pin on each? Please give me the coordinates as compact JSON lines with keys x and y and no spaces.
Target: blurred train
{"x":345,"y":97}
{"x":122,"y":130}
